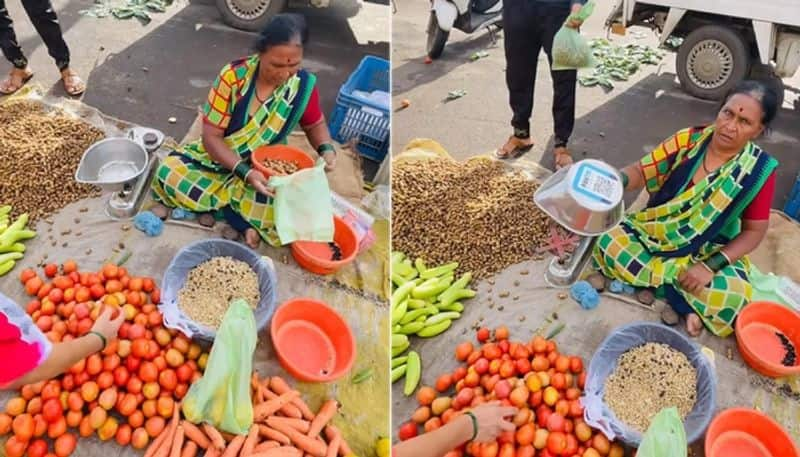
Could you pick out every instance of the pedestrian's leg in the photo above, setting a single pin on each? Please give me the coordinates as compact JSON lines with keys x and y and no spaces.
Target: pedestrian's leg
{"x":13,"y":52}
{"x":564,"y":82}
{"x":44,"y":19}
{"x":522,"y":48}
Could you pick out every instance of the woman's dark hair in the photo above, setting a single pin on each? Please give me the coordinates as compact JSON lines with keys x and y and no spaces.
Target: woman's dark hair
{"x":763,"y":94}
{"x":282,"y":29}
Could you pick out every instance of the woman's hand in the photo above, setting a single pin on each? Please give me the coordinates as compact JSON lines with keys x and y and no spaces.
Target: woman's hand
{"x":492,"y":422}
{"x":259,"y":183}
{"x":330,"y":160}
{"x":107,"y":326}
{"x":696,"y":278}
{"x":575,"y":23}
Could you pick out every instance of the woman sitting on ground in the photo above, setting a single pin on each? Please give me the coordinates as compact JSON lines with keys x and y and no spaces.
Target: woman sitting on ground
{"x":255,"y":101}
{"x":711,"y":190}
{"x":34,"y":357}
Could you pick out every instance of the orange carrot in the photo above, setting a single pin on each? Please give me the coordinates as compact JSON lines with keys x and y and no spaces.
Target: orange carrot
{"x":298,"y":424}
{"x":270,"y":407}
{"x":331,"y":431}
{"x":310,"y":445}
{"x":216,"y":438}
{"x":285,"y":451}
{"x":234,"y":446}
{"x":250,"y":442}
{"x":212,"y":452}
{"x":289,"y":410}
{"x":272,"y":434}
{"x":325,"y":414}
{"x":166,"y":445}
{"x":190,"y":449}
{"x":177,"y":442}
{"x":196,"y":435}
{"x":156,"y":444}
{"x":266,"y":445}
{"x":333,"y":446}
{"x":280,"y":386}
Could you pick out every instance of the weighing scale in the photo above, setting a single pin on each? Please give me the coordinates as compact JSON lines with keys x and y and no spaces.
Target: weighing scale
{"x":123,"y":167}
{"x":586,"y":200}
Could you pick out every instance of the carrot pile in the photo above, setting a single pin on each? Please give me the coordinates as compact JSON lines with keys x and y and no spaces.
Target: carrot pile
{"x":283,"y":426}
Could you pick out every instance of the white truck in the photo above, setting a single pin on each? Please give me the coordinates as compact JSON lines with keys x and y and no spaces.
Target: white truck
{"x":724,"y":41}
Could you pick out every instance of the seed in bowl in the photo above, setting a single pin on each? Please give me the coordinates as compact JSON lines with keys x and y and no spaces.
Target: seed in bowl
{"x":286,"y":167}
{"x":212,"y":285}
{"x":648,"y":379}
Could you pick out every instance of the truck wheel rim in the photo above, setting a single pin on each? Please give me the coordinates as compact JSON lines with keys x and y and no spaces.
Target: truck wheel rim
{"x":710,"y":64}
{"x":248,"y":9}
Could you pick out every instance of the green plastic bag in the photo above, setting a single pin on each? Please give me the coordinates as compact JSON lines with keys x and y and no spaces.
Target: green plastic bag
{"x":665,"y":437}
{"x":222,"y":396}
{"x":303,"y":206}
{"x":571,"y":51}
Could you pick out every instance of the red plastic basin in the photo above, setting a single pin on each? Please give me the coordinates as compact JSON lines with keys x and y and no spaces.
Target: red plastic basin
{"x":313,"y":342}
{"x":316,"y":256}
{"x":280,"y":152}
{"x":760,"y":347}
{"x":763,"y":433}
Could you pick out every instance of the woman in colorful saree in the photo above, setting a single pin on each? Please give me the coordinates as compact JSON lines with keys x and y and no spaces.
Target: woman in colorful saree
{"x":710,"y":190}
{"x":255,"y":101}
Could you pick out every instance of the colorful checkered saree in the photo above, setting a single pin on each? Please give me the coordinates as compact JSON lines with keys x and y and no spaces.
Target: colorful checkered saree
{"x":189,"y":178}
{"x":681,"y":226}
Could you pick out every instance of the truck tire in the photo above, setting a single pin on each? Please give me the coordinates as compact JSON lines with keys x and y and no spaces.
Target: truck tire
{"x":711,"y":61}
{"x":249,"y":15}
{"x":437,"y":37}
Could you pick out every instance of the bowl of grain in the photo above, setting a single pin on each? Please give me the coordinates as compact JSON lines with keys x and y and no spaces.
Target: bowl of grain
{"x":279,"y":160}
{"x":640,"y":369}
{"x":205,"y":276}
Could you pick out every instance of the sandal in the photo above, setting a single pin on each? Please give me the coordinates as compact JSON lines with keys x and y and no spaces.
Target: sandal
{"x":73,"y":84}
{"x":514,"y":148}
{"x":10,"y":86}
{"x":562,"y":157}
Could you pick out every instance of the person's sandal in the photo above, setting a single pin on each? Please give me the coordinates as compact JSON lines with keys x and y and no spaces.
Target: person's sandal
{"x":562,"y":157}
{"x":73,"y":84}
{"x":11,"y":87}
{"x":512,"y":149}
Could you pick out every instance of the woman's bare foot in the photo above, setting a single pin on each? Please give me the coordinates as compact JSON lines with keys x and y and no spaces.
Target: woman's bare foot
{"x":694,"y":326}
{"x":161,"y":211}
{"x":15,"y":81}
{"x":514,"y":148}
{"x":252,"y":238}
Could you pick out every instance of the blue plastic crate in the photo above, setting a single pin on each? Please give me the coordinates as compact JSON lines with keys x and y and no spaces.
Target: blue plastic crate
{"x":361,"y":118}
{"x":368,"y":126}
{"x":792,"y":207}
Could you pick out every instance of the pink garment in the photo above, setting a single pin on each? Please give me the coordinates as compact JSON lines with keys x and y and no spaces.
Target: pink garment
{"x":22,"y":345}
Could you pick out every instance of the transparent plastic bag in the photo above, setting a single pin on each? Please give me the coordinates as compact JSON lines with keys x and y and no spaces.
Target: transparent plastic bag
{"x":378,"y":202}
{"x":302,"y":205}
{"x":571,"y":51}
{"x":222,"y":396}
{"x":198,"y":252}
{"x":598,"y":415}
{"x":665,"y":437}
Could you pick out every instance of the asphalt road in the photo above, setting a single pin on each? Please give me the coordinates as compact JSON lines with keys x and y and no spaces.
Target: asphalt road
{"x":147,"y":74}
{"x":618,"y":127}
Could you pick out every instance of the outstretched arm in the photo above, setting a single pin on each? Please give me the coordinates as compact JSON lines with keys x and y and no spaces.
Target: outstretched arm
{"x":633,"y":175}
{"x":65,"y":355}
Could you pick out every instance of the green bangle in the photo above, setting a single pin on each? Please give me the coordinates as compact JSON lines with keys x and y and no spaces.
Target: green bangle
{"x":625,"y":180}
{"x":717,"y":262}
{"x":325,"y":147}
{"x":102,"y":338}
{"x":242,"y":169}
{"x":474,"y":425}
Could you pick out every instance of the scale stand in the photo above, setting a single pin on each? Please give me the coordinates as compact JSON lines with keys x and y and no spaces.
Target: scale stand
{"x":563,"y":272}
{"x":124,"y":167}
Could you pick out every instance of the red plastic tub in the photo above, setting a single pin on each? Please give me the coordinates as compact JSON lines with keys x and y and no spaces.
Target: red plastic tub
{"x":316,"y":256}
{"x":280,"y":152}
{"x":760,"y":347}
{"x":313,"y":342}
{"x":754,"y":430}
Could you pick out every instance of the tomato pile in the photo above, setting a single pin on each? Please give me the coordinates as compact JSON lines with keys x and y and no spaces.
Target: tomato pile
{"x":127,"y":391}
{"x":543,"y":384}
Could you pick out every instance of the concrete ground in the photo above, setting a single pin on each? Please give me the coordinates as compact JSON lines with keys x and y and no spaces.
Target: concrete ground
{"x":618,"y":127}
{"x":147,"y":74}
